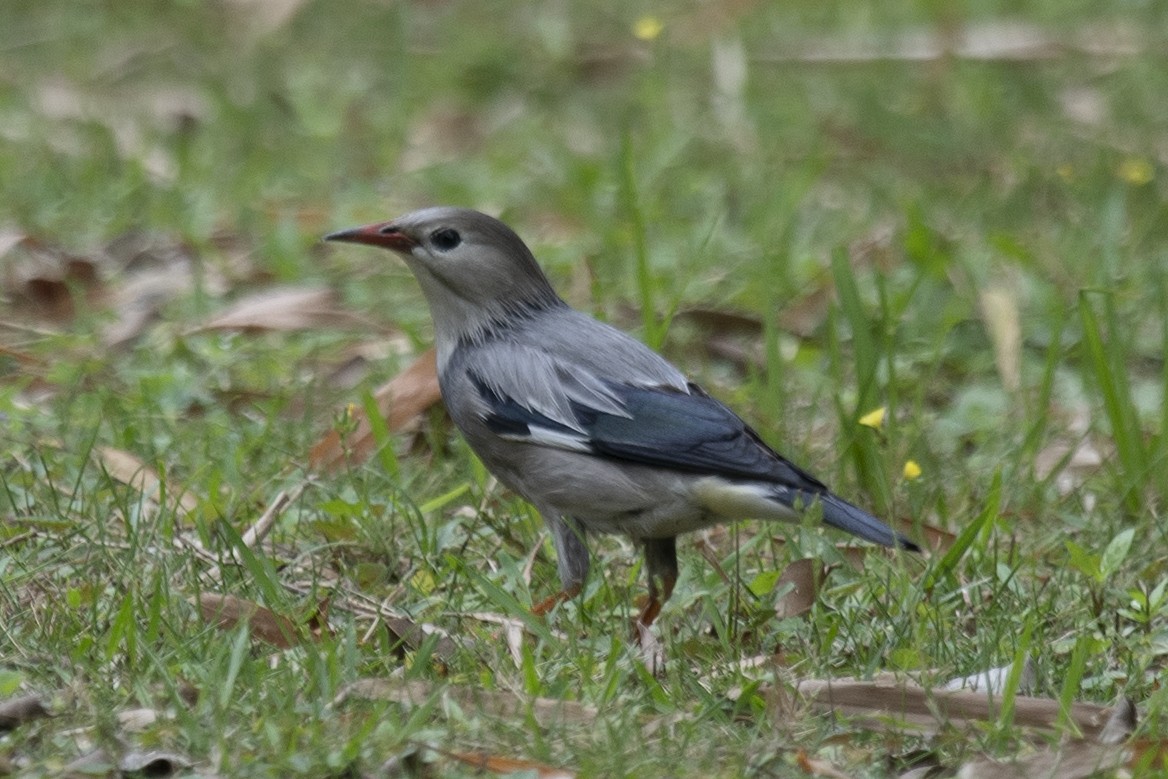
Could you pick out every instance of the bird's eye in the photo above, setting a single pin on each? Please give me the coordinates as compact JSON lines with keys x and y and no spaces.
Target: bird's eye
{"x":445,"y":239}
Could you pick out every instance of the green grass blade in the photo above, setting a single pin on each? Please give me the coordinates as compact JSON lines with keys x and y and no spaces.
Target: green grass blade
{"x":1109,"y":372}
{"x":968,"y":535}
{"x":636,"y":220}
{"x":381,"y":435}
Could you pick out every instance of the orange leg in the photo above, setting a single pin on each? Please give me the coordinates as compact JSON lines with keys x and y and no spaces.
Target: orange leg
{"x":547,"y":604}
{"x":652,"y":608}
{"x":660,"y":565}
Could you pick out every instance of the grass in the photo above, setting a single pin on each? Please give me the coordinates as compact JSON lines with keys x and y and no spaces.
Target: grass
{"x":858,"y":218}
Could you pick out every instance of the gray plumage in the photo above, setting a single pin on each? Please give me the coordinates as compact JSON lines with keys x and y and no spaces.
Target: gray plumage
{"x":596,"y":430}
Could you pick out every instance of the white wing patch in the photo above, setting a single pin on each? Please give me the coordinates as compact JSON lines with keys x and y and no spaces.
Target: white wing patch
{"x":557,"y":439}
{"x":740,"y":501}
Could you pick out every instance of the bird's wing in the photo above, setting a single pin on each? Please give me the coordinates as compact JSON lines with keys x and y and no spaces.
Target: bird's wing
{"x":525,"y":394}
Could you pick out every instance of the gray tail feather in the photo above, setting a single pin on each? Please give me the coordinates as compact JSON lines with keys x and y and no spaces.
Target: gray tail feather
{"x":838,"y":513}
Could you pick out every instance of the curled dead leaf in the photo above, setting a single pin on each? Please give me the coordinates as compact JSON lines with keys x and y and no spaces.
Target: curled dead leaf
{"x":803,"y":577}
{"x":401,"y":400}
{"x":898,"y":704}
{"x":1073,"y":760}
{"x":284,"y":308}
{"x":43,"y":280}
{"x":14,"y":712}
{"x":130,"y":470}
{"x":227,"y":611}
{"x":153,"y":763}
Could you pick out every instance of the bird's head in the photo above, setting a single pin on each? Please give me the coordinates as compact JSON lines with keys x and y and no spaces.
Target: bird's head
{"x":474,"y":270}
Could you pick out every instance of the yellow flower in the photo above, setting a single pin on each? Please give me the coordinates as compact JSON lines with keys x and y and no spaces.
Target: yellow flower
{"x":911,"y":470}
{"x":874,"y":419}
{"x":647,"y":28}
{"x":1135,"y":170}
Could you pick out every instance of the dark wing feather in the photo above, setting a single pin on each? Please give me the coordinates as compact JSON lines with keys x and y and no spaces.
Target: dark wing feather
{"x":662,"y":427}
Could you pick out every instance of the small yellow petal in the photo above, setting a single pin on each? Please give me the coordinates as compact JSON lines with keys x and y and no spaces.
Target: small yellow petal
{"x":647,"y":28}
{"x":911,"y":470}
{"x":873,"y":419}
{"x":1136,"y":170}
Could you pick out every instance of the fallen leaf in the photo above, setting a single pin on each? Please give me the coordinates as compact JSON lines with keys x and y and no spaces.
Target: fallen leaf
{"x":94,"y":763}
{"x":897,"y":704}
{"x":154,"y":270}
{"x":43,"y":280}
{"x":227,"y":611}
{"x":804,"y":576}
{"x":1074,"y":760}
{"x":284,"y":308}
{"x":153,"y":764}
{"x":130,"y":470}
{"x":14,"y":712}
{"x":401,"y":400}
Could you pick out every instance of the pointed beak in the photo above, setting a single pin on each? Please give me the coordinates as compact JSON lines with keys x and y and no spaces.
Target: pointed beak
{"x":383,"y":234}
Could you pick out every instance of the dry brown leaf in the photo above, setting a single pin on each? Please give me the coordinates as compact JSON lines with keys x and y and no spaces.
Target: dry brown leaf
{"x":130,"y":470}
{"x":1073,"y":760}
{"x":897,"y":704}
{"x":283,"y":308}
{"x":14,"y":712}
{"x":1149,"y":752}
{"x":155,"y":763}
{"x":43,"y":280}
{"x":156,"y":271}
{"x":547,"y":712}
{"x":805,"y":575}
{"x":401,"y":400}
{"x":508,"y":765}
{"x":227,"y":611}
{"x":410,"y":635}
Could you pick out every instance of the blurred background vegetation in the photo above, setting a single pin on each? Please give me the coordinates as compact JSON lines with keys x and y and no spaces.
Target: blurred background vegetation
{"x":954,"y":212}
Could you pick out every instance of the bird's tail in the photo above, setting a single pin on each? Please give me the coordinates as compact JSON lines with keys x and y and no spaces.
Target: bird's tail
{"x":840,"y":514}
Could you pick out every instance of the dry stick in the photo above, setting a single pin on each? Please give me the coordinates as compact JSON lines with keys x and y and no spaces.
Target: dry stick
{"x":257,"y":532}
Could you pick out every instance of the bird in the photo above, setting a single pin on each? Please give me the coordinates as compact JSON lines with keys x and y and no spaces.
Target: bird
{"x":600,"y":433}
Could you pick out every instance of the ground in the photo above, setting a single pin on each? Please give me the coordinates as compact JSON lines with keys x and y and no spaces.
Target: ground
{"x":921,"y":248}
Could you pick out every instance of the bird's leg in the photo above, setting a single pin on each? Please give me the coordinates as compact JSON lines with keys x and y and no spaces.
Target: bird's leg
{"x":550,"y":602}
{"x":571,"y":560}
{"x":660,"y":563}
